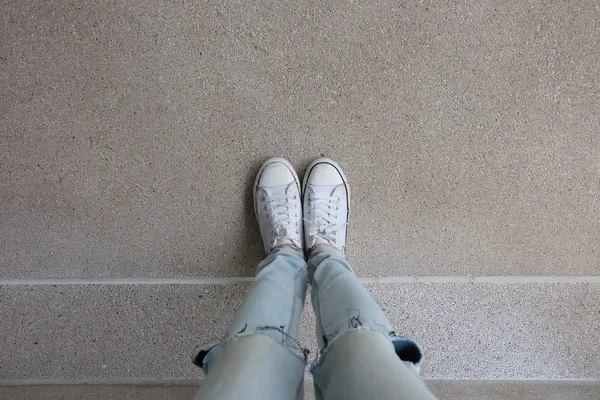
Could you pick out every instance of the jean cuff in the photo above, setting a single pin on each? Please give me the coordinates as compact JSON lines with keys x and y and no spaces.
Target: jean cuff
{"x":201,"y":357}
{"x":406,"y":349}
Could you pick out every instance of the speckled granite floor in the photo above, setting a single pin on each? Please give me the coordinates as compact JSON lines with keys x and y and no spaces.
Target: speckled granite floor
{"x":444,"y":390}
{"x":131,"y":132}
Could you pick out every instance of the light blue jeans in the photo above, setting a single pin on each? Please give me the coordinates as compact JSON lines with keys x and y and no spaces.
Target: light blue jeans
{"x":360,"y":355}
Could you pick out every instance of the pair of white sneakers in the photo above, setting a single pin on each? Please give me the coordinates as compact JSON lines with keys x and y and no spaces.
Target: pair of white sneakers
{"x":302,"y":218}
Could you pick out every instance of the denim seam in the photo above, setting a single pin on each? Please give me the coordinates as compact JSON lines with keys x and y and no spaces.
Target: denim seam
{"x":293,"y":312}
{"x":318,"y":315}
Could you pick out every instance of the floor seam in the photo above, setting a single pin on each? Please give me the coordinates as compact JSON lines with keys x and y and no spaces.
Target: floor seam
{"x":365,"y":280}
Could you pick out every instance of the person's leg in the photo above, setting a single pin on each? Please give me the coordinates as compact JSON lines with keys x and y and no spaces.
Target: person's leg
{"x":362,"y":365}
{"x":260,"y":357}
{"x":360,"y":354}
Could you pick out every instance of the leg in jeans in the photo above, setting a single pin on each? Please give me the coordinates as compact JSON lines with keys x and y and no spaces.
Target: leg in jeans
{"x":360,"y":355}
{"x":258,"y":359}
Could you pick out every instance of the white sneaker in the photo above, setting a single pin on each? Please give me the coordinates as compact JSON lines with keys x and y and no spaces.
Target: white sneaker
{"x":326,"y":205}
{"x":277,"y":205}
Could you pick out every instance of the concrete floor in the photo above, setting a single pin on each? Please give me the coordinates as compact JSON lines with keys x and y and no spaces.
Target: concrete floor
{"x":130,"y":134}
{"x":444,"y":390}
{"x":150,"y":332}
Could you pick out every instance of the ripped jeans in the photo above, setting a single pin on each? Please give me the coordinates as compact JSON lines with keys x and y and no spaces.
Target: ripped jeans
{"x":360,"y":355}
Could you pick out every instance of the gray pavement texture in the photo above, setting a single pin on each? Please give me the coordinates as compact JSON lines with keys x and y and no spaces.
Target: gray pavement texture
{"x":444,"y":390}
{"x":131,"y":132}
{"x":138,"y":332}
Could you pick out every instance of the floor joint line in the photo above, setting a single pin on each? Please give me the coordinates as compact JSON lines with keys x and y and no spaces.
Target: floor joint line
{"x":244,"y":280}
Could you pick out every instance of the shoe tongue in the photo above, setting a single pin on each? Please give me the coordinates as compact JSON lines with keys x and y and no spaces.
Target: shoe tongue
{"x":287,"y":241}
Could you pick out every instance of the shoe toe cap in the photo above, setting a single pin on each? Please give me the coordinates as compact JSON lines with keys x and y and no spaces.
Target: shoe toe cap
{"x":325,"y":174}
{"x":275,"y":174}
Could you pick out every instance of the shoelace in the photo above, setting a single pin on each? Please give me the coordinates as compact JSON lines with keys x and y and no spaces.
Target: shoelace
{"x":283,"y":207}
{"x":323,"y":223}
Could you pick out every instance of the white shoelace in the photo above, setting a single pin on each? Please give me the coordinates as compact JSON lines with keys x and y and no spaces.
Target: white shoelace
{"x":323,"y":223}
{"x":283,"y":208}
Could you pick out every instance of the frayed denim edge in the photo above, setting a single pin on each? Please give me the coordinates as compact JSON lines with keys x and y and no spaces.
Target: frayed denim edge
{"x":200,"y":357}
{"x":320,"y":359}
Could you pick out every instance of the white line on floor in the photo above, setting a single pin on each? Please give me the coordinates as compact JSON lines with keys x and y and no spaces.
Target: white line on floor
{"x":307,"y":379}
{"x":233,"y":280}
